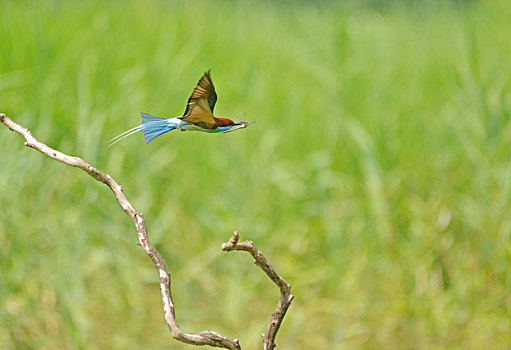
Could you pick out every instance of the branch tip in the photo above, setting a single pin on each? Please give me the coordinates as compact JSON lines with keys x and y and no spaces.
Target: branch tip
{"x":285,"y":296}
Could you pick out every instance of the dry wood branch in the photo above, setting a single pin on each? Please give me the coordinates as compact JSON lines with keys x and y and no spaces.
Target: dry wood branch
{"x":204,"y":338}
{"x":285,"y":289}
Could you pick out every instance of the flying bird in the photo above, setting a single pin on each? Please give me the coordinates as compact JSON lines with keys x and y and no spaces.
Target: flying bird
{"x":198,"y":116}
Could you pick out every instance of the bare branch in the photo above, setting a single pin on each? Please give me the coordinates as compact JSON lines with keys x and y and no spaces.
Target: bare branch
{"x":204,"y":338}
{"x":285,"y":289}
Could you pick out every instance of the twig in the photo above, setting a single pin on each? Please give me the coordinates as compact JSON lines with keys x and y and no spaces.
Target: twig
{"x":204,"y":338}
{"x":285,"y":289}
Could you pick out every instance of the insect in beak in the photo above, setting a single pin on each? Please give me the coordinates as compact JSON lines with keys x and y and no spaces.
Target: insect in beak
{"x":238,"y":125}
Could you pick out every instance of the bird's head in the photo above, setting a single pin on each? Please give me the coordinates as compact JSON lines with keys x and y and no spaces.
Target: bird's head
{"x":227,"y":125}
{"x":223,"y":122}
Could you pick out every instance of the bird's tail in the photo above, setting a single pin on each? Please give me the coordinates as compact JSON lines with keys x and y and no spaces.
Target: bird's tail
{"x":151,"y":127}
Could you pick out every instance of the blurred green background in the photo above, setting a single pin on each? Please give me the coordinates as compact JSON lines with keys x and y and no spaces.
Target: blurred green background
{"x":377,"y":178}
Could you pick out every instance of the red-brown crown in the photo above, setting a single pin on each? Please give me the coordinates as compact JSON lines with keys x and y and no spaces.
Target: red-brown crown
{"x":224,"y":122}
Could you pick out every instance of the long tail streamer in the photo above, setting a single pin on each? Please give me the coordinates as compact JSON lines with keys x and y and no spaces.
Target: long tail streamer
{"x":151,"y":127}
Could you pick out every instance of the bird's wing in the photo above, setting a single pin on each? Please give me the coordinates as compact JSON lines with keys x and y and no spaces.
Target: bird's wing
{"x":201,"y":103}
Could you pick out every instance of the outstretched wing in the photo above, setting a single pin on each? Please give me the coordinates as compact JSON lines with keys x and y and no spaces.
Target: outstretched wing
{"x":201,"y":103}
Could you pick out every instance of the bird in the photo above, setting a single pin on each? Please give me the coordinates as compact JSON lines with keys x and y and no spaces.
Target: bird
{"x":198,"y":116}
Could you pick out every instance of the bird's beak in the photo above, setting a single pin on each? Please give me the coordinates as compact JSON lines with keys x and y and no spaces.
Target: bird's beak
{"x":238,"y":125}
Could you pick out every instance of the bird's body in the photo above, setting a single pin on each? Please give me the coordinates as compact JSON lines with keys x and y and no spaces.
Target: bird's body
{"x":198,"y":116}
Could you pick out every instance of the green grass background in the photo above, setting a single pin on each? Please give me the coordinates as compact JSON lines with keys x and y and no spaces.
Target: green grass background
{"x":377,"y":179}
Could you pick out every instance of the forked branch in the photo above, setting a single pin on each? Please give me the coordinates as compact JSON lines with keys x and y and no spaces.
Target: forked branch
{"x":204,"y":338}
{"x":285,"y":289}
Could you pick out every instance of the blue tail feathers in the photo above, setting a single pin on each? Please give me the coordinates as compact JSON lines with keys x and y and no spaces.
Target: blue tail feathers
{"x":153,"y":126}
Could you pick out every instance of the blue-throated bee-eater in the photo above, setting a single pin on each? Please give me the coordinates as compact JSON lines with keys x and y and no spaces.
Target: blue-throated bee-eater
{"x":198,"y":116}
